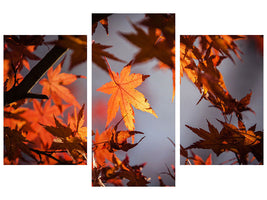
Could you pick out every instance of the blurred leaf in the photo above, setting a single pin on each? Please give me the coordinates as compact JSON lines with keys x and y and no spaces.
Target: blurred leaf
{"x":209,"y":160}
{"x":97,"y":17}
{"x":164,"y":22}
{"x":17,"y":51}
{"x":164,"y":26}
{"x":14,"y":120}
{"x":15,"y":144}
{"x":98,"y":55}
{"x":78,"y":44}
{"x":151,"y":45}
{"x":199,"y":161}
{"x":258,"y":40}
{"x":103,"y":21}
{"x":252,"y":128}
{"x":183,"y":151}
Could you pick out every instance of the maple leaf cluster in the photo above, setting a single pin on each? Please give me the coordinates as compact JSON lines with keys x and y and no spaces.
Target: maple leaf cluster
{"x":34,"y":130}
{"x":108,"y":166}
{"x":158,"y":43}
{"x":200,"y":56}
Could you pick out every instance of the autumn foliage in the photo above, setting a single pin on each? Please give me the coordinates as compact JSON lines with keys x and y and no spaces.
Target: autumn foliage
{"x":46,"y":128}
{"x":200,"y":57}
{"x":122,"y":87}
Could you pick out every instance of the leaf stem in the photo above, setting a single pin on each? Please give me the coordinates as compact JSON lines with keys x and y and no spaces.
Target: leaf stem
{"x":110,"y":72}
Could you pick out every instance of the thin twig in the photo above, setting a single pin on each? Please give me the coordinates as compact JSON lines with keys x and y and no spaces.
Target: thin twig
{"x":238,"y":159}
{"x":48,"y":154}
{"x":171,"y":141}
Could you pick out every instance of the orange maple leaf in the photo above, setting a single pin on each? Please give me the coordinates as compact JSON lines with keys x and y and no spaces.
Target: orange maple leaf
{"x":41,"y":115}
{"x":12,"y":118}
{"x":101,"y":152}
{"x":124,"y":95}
{"x":199,"y":161}
{"x":76,"y":123}
{"x":54,"y":86}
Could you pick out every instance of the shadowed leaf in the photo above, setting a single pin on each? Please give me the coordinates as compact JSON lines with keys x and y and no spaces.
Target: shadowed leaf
{"x":98,"y":54}
{"x":78,"y":45}
{"x":151,"y":46}
{"x":59,"y":130}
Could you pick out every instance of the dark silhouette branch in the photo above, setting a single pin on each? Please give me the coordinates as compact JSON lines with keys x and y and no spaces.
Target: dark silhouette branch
{"x":48,"y":154}
{"x":22,"y":90}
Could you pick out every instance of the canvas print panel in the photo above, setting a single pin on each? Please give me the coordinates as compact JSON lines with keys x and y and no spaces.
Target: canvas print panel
{"x":45,"y":99}
{"x":221,"y":99}
{"x":133,"y":92}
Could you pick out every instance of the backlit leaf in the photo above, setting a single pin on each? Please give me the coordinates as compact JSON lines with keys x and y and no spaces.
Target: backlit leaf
{"x":76,"y":123}
{"x":101,"y":152}
{"x":54,"y":86}
{"x":124,"y":95}
{"x":42,"y":114}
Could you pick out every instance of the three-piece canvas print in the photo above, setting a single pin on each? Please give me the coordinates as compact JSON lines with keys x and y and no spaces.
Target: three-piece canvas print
{"x":134,"y":79}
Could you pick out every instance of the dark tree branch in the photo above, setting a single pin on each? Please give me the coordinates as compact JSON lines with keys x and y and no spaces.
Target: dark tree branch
{"x":36,"y":96}
{"x":22,"y":90}
{"x":48,"y":154}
